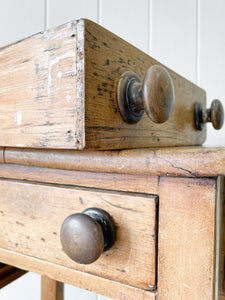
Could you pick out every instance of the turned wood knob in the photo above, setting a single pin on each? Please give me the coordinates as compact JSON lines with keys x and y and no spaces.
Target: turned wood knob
{"x":84,"y":236}
{"x":155,"y":95}
{"x":214,"y":114}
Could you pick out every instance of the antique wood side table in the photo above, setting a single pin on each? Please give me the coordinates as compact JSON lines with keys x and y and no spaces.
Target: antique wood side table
{"x":167,"y":205}
{"x":90,"y":192}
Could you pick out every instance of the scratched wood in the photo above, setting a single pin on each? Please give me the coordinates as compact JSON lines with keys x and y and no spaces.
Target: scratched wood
{"x":83,"y":280}
{"x":32,"y":215}
{"x":107,"y":57}
{"x":39,"y":99}
{"x":180,"y":161}
{"x":58,"y":90}
{"x":111,"y":181}
{"x":187,"y":239}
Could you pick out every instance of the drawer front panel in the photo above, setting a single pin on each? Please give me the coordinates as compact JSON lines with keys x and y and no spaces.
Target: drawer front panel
{"x":31,"y":216}
{"x":107,"y":57}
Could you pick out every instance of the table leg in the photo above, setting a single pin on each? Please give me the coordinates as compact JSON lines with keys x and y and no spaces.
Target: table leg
{"x":51,"y":289}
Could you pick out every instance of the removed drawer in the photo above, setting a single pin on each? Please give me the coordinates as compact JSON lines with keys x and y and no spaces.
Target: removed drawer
{"x":59,"y":89}
{"x":32,"y":215}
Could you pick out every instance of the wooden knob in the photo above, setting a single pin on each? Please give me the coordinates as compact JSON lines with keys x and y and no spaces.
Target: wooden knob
{"x":214,"y":114}
{"x":155,"y":96}
{"x":84,"y":236}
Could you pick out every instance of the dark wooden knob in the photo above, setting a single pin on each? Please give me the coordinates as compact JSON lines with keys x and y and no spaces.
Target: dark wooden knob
{"x":155,"y":95}
{"x":84,"y":236}
{"x":214,"y":114}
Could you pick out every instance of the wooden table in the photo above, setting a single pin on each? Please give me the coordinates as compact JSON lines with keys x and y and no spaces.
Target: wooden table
{"x":68,"y":93}
{"x":167,"y":205}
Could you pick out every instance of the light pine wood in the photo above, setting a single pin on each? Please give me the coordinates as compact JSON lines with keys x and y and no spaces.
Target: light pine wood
{"x":190,"y":248}
{"x":83,"y":280}
{"x":180,"y":161}
{"x":59,"y":91}
{"x":110,"y":181}
{"x":38,"y":94}
{"x":51,"y":289}
{"x":32,"y":215}
{"x":187,"y":239}
{"x":107,"y":58}
{"x":9,"y":274}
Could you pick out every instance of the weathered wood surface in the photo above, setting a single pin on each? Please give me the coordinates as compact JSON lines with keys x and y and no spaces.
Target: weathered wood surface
{"x":32,"y":215}
{"x":9,"y":274}
{"x":110,"y":181}
{"x":182,"y":201}
{"x":180,"y":161}
{"x":83,"y":280}
{"x":38,"y":95}
{"x":187,"y":239}
{"x":51,"y":289}
{"x":107,"y":57}
{"x":58,"y":90}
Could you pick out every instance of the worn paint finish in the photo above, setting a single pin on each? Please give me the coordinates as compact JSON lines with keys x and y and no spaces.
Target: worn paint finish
{"x":80,"y":88}
{"x":38,"y":101}
{"x":18,"y":117}
{"x":55,"y":61}
{"x":58,"y":90}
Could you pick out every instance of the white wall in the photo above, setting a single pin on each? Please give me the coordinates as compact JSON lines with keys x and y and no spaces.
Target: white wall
{"x":186,"y":35}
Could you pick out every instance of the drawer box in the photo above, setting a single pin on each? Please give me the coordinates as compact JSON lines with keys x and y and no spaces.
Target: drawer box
{"x":59,"y":90}
{"x":32,"y":215}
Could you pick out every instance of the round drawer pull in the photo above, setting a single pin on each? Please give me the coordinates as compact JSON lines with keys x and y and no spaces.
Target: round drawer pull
{"x":214,"y":114}
{"x":84,"y":236}
{"x":155,"y":96}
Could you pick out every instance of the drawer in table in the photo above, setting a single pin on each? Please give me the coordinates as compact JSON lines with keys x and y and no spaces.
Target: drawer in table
{"x":31,"y":216}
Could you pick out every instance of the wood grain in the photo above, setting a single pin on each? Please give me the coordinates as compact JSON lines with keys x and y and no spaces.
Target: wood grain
{"x":38,"y":94}
{"x":1,"y":154}
{"x":187,"y":239}
{"x":8,"y":274}
{"x":32,"y":216}
{"x":180,"y":161}
{"x":107,"y":57}
{"x":111,"y":181}
{"x":59,"y":91}
{"x":83,"y":280}
{"x":51,"y":289}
